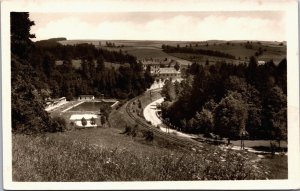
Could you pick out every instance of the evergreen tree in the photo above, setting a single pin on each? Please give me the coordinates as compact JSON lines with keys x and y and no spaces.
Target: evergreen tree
{"x":20,"y":24}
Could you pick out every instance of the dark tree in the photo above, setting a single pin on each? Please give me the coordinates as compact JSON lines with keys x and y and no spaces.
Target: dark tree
{"x":20,"y":24}
{"x":93,"y":121}
{"x":83,"y":122}
{"x":177,"y":66}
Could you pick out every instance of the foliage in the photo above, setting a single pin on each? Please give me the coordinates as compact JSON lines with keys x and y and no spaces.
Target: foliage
{"x":149,"y":135}
{"x":93,"y":121}
{"x":27,"y":90}
{"x":83,"y":121}
{"x":20,"y":34}
{"x":177,"y":66}
{"x":59,"y":123}
{"x":168,"y":91}
{"x":103,"y":119}
{"x":204,"y":121}
{"x":260,"y":95}
{"x":231,"y":116}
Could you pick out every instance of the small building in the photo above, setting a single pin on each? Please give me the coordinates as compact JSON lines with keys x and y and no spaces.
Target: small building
{"x":86,"y":97}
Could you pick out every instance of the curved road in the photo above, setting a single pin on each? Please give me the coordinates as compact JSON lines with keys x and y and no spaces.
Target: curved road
{"x":150,"y":115}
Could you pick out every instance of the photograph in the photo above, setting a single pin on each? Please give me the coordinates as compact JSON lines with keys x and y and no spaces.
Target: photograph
{"x":152,"y":95}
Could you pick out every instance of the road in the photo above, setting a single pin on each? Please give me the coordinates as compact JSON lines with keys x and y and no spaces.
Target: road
{"x":150,"y":115}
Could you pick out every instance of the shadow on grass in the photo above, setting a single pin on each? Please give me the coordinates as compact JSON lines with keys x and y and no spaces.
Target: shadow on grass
{"x":268,"y":149}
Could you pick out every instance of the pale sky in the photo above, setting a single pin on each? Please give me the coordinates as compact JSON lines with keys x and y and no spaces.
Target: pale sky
{"x":189,"y":26}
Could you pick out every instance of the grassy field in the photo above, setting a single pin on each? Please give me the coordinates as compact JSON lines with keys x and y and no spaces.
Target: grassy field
{"x":107,"y":155}
{"x":277,"y":166}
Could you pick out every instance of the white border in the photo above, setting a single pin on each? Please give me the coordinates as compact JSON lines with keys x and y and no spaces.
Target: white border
{"x":291,"y":8}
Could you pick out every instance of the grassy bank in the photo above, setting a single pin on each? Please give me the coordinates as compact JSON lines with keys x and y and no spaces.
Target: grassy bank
{"x":54,"y":158}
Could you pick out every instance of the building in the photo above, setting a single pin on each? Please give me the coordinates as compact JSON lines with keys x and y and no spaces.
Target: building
{"x":168,"y":73}
{"x":86,"y":97}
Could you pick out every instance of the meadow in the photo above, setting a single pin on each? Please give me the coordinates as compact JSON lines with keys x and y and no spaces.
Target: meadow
{"x":107,"y":155}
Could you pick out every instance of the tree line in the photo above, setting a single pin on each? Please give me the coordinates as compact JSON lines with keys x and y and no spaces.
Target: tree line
{"x":190,"y":50}
{"x":92,"y":77}
{"x":36,"y":76}
{"x":230,"y":100}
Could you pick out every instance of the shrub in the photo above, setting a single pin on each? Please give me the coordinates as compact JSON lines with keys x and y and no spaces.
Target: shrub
{"x":134,"y":131}
{"x":131,"y":130}
{"x":127,"y":130}
{"x":103,"y":119}
{"x":148,"y":135}
{"x":93,"y":121}
{"x":59,"y":124}
{"x":83,"y":121}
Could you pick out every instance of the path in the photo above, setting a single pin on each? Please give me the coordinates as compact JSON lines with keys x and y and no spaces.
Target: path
{"x":150,"y":115}
{"x":150,"y":112}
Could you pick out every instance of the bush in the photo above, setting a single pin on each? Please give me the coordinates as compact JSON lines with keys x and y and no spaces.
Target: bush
{"x":131,"y":130}
{"x":59,"y":124}
{"x":127,"y":130}
{"x":134,"y":131}
{"x":148,"y":135}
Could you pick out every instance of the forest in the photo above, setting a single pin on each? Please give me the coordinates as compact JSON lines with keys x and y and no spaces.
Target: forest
{"x":35,"y":75}
{"x":190,"y":50}
{"x":230,"y":100}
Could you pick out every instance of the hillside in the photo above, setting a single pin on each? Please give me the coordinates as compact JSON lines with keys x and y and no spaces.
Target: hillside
{"x":52,"y":42}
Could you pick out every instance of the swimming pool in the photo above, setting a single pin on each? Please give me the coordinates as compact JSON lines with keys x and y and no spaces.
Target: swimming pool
{"x":90,"y":106}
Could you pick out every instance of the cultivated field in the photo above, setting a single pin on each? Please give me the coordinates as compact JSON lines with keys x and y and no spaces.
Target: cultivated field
{"x":152,"y":49}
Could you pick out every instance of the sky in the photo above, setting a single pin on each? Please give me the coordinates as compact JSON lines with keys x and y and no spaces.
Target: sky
{"x":175,"y":25}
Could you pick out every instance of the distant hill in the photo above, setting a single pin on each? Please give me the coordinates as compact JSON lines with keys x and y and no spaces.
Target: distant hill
{"x":50,"y":42}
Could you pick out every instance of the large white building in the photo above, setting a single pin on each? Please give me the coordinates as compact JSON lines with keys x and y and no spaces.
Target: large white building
{"x":169,"y":73}
{"x":162,"y":68}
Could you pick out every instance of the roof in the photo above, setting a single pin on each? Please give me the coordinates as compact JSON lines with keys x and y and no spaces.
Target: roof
{"x":168,"y":71}
{"x":80,"y":116}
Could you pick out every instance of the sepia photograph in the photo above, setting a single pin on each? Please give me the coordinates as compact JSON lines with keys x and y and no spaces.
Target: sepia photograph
{"x":156,"y":95}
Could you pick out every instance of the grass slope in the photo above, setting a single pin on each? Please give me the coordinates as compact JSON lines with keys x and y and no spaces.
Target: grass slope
{"x":61,"y":158}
